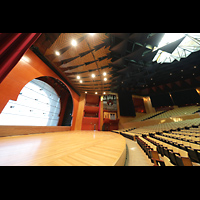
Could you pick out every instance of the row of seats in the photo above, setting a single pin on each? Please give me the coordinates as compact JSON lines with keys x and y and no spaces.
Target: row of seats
{"x":184,"y":136}
{"x":150,"y":152}
{"x":181,"y":148}
{"x":176,"y":156}
{"x":181,"y":111}
{"x":168,"y":126}
{"x":188,"y":110}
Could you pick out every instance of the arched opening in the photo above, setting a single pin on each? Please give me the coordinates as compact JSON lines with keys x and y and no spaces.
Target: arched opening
{"x":39,"y":103}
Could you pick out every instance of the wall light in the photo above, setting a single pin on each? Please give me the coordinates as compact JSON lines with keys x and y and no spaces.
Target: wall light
{"x":26,"y":59}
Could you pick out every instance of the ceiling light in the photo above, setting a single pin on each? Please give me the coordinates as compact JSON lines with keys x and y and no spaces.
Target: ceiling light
{"x":170,"y":74}
{"x":105,"y":79}
{"x":93,"y":75}
{"x":85,"y":92}
{"x":195,"y":66}
{"x":74,"y":43}
{"x":91,"y":34}
{"x":78,"y":77}
{"x":57,"y":53}
{"x":104,"y":74}
{"x":80,"y":81}
{"x":96,"y":92}
{"x":104,"y":93}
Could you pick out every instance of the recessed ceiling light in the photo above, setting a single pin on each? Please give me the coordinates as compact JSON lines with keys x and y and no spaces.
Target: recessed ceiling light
{"x":105,"y":79}
{"x":85,"y":92}
{"x":104,"y":74}
{"x":170,"y":74}
{"x":57,"y":53}
{"x":193,"y":74}
{"x":93,"y":75}
{"x":78,"y":77}
{"x":96,"y":92}
{"x":195,"y":66}
{"x":74,"y":43}
{"x":104,"y":93}
{"x":80,"y":81}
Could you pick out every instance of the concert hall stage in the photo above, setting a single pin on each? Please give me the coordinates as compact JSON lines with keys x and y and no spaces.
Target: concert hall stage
{"x":66,"y":148}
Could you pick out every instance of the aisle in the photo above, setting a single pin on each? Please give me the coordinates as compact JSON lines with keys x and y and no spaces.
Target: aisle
{"x":135,"y":155}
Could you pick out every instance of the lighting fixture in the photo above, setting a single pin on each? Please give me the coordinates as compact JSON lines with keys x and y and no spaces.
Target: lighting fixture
{"x":78,"y":77}
{"x":104,"y":93}
{"x":74,"y":43}
{"x":104,"y":74}
{"x":195,"y":66}
{"x":80,"y":81}
{"x":85,"y":92}
{"x":91,"y":34}
{"x":96,"y":92}
{"x":57,"y":53}
{"x":105,"y":79}
{"x":25,"y":58}
{"x":93,"y":75}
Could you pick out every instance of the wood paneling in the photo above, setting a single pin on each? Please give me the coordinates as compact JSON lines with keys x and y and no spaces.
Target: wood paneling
{"x":24,"y":130}
{"x":87,"y":57}
{"x":24,"y":72}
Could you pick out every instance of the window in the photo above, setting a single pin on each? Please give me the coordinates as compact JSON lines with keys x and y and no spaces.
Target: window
{"x":37,"y":105}
{"x":191,"y":43}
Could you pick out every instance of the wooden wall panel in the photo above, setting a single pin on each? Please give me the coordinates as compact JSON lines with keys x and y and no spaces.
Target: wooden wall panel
{"x":24,"y":72}
{"x":23,"y":130}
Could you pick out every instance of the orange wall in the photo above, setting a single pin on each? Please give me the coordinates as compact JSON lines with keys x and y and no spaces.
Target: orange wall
{"x":24,"y":72}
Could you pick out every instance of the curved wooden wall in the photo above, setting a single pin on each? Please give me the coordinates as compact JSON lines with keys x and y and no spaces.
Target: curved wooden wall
{"x":27,"y":69}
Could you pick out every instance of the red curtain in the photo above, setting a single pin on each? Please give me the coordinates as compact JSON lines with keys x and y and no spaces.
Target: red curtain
{"x":12,"y":48}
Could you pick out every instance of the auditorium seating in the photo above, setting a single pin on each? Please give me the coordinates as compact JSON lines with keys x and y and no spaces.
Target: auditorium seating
{"x":150,"y":151}
{"x":188,"y":110}
{"x":176,"y":112}
{"x":178,"y":143}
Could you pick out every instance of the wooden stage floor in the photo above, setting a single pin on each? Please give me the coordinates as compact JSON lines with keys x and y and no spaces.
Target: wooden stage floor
{"x":67,"y":148}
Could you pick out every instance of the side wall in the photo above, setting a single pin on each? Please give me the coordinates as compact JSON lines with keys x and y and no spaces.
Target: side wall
{"x":27,"y":69}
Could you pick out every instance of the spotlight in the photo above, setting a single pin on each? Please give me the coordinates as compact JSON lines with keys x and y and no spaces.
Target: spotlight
{"x":74,"y":43}
{"x":57,"y":53}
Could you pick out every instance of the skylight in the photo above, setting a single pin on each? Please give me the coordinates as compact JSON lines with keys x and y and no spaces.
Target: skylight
{"x":191,"y":43}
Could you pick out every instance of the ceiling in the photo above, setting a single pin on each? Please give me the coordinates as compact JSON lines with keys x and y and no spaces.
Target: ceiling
{"x":125,"y":57}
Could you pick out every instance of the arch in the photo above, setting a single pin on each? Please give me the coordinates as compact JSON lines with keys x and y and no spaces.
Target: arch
{"x":25,"y":71}
{"x":37,"y":104}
